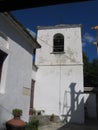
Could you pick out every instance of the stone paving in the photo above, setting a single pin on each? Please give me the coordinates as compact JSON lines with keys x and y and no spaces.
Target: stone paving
{"x":88,"y":125}
{"x":52,"y":126}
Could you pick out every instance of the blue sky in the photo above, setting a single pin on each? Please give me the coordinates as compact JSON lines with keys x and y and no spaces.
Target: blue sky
{"x":85,"y":13}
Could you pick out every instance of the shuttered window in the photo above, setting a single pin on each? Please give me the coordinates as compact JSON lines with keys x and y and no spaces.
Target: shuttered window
{"x":58,"y":43}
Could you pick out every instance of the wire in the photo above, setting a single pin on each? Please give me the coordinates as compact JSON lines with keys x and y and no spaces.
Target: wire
{"x":5,"y":109}
{"x":45,"y":42}
{"x":60,"y":89}
{"x":60,"y":63}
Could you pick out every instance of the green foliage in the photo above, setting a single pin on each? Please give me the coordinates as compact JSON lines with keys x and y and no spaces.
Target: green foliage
{"x":52,"y":117}
{"x":33,"y":124}
{"x":90,"y":72}
{"x":16,"y":112}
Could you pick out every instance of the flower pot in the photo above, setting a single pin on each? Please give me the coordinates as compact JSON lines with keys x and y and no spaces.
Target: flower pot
{"x":30,"y":113}
{"x":15,"y":124}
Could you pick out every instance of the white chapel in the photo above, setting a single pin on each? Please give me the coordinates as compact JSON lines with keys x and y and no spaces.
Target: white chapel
{"x":59,"y":78}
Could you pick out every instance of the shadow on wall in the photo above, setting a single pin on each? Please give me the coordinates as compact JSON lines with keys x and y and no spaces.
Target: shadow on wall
{"x":90,"y":106}
{"x":73,"y":105}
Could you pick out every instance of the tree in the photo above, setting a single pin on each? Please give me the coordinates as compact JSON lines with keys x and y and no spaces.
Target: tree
{"x":90,"y":72}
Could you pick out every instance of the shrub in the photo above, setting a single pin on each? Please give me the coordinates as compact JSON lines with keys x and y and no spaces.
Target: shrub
{"x":33,"y":124}
{"x":52,"y":117}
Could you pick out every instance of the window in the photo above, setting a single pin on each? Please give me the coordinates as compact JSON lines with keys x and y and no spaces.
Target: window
{"x":2,"y":57}
{"x":3,"y":71}
{"x":58,"y":43}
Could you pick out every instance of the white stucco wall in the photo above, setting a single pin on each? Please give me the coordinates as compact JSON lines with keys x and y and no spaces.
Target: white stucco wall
{"x":53,"y":91}
{"x":59,"y":79}
{"x":18,"y":73}
{"x":72,"y":46}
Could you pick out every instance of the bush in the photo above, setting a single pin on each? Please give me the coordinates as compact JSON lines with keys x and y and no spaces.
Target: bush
{"x":33,"y":124}
{"x":52,"y":117}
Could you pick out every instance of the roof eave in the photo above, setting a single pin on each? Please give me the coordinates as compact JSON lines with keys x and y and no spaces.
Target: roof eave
{"x":34,"y":43}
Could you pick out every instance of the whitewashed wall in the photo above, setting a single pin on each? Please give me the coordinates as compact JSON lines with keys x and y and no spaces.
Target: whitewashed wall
{"x":16,"y":91}
{"x":59,"y":79}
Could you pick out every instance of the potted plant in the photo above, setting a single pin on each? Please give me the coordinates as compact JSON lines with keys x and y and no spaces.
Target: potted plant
{"x":17,"y":113}
{"x":16,"y":122}
{"x":32,"y":112}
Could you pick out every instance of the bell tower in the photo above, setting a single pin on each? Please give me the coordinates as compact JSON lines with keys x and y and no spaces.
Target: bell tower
{"x":59,"y":79}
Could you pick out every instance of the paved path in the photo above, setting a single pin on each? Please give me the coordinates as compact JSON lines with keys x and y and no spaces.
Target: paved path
{"x":89,"y":125}
{"x":52,"y":126}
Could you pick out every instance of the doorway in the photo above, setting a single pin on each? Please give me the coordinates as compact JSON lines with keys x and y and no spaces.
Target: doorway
{"x":32,"y":94}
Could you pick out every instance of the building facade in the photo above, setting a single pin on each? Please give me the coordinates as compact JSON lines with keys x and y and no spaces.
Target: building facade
{"x":16,"y":49}
{"x":59,"y":79}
